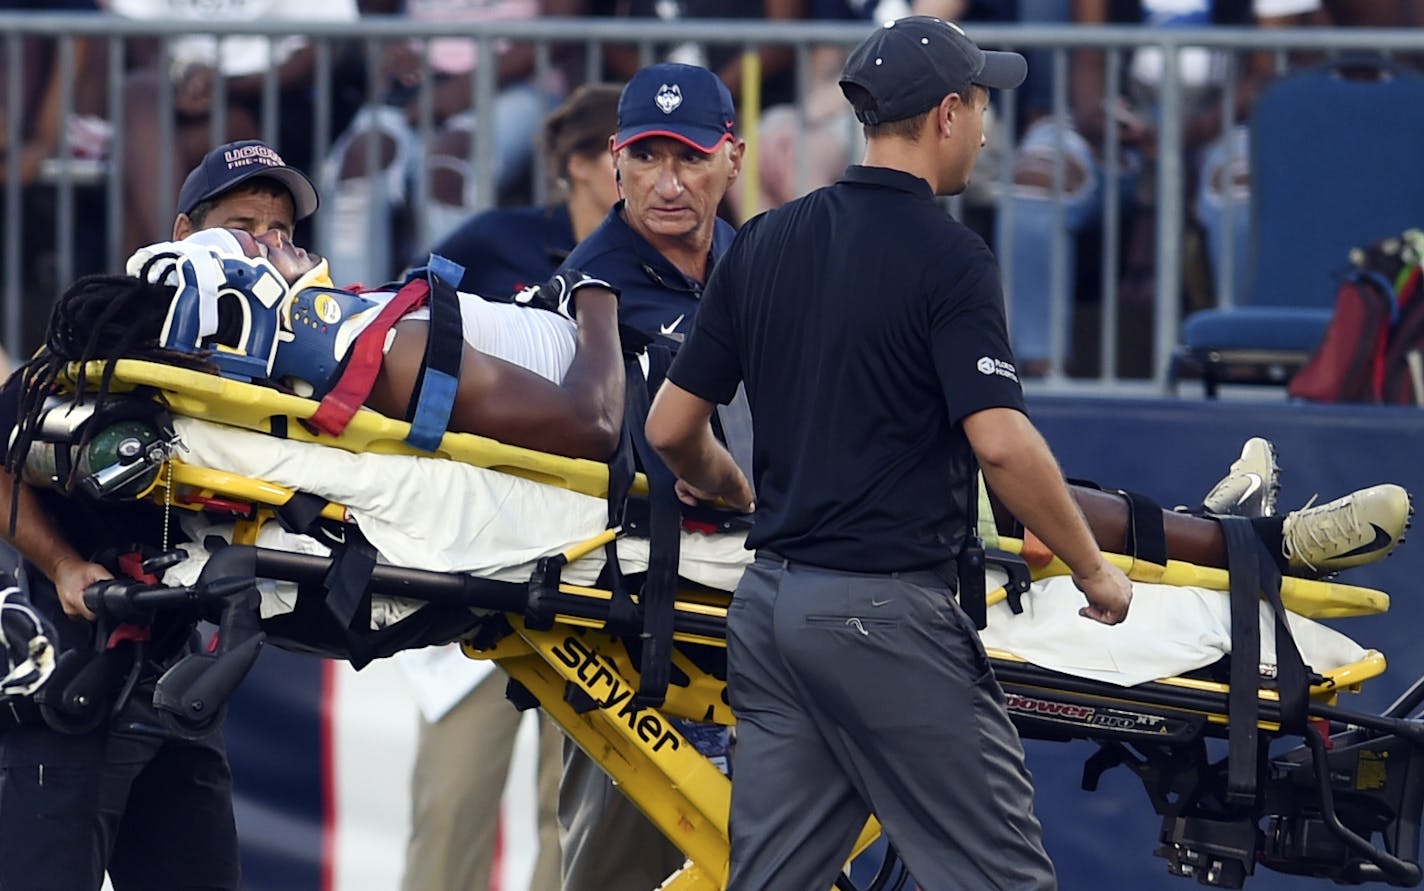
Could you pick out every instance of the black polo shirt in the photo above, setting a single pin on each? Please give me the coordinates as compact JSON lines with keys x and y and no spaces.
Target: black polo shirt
{"x":503,"y":251}
{"x":656,"y":297}
{"x":867,"y":324}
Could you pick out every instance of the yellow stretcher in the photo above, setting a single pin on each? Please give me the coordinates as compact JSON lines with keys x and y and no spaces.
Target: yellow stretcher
{"x":564,"y":659}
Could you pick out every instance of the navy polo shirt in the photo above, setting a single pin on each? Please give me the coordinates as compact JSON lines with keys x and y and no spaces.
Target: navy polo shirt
{"x":656,"y":297}
{"x":503,"y":251}
{"x":866,"y":324}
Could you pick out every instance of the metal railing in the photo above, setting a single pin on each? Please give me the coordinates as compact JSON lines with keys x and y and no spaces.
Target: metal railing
{"x":102,"y":180}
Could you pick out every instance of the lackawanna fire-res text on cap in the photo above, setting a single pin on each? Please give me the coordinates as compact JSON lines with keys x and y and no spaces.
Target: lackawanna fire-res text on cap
{"x":236,"y":162}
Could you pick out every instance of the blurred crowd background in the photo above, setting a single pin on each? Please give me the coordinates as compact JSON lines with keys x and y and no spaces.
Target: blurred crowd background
{"x":1115,"y":188}
{"x":1119,"y":190}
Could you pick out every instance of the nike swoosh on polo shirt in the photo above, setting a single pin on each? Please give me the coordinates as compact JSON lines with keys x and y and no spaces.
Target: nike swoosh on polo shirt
{"x":671,"y":327}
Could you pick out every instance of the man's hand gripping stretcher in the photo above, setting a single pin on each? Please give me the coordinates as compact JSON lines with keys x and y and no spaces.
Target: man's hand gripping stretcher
{"x":520,"y":568}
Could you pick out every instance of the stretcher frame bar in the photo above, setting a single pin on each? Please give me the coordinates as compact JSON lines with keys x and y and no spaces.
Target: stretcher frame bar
{"x":1311,"y":598}
{"x":700,"y":623}
{"x":209,"y":397}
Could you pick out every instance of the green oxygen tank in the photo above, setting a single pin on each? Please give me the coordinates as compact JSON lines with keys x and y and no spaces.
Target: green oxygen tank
{"x":121,"y":461}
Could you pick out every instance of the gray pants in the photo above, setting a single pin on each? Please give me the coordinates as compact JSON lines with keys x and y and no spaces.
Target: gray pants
{"x":607,"y":843}
{"x":857,"y":693}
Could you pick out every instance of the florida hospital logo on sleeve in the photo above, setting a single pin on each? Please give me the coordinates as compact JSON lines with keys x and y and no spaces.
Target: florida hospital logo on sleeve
{"x":668,"y":98}
{"x":987,"y":366}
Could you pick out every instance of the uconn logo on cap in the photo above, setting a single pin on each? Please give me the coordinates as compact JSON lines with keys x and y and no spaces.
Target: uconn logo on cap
{"x":668,"y":98}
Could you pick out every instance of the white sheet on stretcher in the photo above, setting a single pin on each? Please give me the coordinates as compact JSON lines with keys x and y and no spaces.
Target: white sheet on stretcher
{"x":442,"y":515}
{"x":1169,"y":630}
{"x":445,"y":516}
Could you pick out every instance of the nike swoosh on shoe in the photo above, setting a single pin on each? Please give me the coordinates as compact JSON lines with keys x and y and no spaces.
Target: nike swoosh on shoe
{"x":1254,"y":483}
{"x":1381,"y":540}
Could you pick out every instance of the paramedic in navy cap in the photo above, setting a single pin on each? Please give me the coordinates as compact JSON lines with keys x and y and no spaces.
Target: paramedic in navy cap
{"x":119,"y":793}
{"x":675,"y":155}
{"x":250,"y":187}
{"x":868,"y":328}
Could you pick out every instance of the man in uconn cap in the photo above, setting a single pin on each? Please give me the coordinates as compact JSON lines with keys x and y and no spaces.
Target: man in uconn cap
{"x":868,"y":328}
{"x":675,"y":155}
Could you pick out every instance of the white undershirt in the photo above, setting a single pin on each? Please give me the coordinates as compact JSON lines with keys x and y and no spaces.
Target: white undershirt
{"x":535,"y":339}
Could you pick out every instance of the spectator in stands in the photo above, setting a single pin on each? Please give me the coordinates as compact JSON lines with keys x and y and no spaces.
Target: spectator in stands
{"x":463,"y":755}
{"x":1369,"y":14}
{"x":42,"y":116}
{"x":375,"y":190}
{"x":805,"y":143}
{"x":43,"y":121}
{"x":778,"y":74}
{"x":808,"y":142}
{"x":198,"y":68}
{"x":503,"y":251}
{"x":1214,"y":151}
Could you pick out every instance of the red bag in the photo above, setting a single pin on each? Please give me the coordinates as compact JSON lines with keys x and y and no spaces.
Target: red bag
{"x":1349,"y":363}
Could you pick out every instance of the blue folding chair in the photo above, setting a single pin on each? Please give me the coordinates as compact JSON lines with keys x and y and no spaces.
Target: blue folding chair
{"x":1335,"y":163}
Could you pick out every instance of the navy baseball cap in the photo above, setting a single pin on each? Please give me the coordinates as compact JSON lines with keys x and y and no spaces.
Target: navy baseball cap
{"x":907,"y":66}
{"x":683,"y":102}
{"x":237,"y":162}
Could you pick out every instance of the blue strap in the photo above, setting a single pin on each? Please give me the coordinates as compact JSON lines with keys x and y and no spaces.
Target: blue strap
{"x":434,"y":396}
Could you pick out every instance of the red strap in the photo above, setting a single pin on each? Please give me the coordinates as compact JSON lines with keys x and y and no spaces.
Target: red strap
{"x":131,"y":565}
{"x":340,"y":405}
{"x":127,"y":631}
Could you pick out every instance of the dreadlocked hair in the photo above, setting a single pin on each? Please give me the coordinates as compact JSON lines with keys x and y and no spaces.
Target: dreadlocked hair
{"x":100,"y":318}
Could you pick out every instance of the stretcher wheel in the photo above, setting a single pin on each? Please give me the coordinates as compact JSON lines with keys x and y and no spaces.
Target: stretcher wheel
{"x":187,"y":706}
{"x":79,"y":692}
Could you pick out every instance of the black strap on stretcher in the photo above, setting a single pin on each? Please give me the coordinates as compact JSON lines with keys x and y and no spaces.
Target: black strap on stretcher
{"x":652,"y":618}
{"x":659,"y":590}
{"x":353,"y":559}
{"x":1146,"y":537}
{"x":622,"y":468}
{"x":433,"y":396}
{"x":623,"y":617}
{"x":1253,"y":574}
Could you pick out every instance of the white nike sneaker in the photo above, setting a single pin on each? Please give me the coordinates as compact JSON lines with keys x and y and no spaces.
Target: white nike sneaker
{"x":1250,"y":486}
{"x":1360,"y":528}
